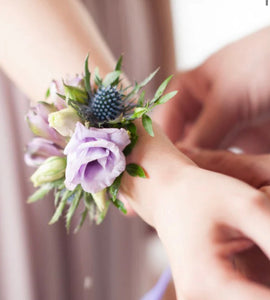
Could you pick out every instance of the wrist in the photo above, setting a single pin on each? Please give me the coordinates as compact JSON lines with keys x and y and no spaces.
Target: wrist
{"x":164,"y":165}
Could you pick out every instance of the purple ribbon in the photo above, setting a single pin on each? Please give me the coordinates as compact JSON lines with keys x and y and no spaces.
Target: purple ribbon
{"x":158,"y":291}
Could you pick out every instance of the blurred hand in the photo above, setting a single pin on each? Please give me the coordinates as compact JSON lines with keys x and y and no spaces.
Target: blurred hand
{"x":212,"y":218}
{"x":204,"y":219}
{"x":226,"y":100}
{"x":255,"y":170}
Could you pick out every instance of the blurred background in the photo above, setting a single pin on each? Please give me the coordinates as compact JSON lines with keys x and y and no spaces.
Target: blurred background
{"x":122,"y":258}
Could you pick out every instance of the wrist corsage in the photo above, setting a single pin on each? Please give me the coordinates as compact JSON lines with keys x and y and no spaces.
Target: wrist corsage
{"x":83,"y":135}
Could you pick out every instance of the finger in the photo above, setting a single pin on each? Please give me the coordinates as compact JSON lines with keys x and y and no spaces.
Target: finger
{"x":254,"y":139}
{"x":253,"y":219}
{"x":239,"y":288}
{"x":254,"y":265}
{"x":252,"y":169}
{"x":236,"y":246}
{"x":231,"y":284}
{"x":214,"y":123}
{"x":266,"y":190}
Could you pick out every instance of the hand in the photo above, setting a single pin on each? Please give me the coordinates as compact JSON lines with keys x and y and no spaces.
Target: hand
{"x":225,"y":101}
{"x":212,"y":222}
{"x":253,"y":169}
{"x":204,"y":219}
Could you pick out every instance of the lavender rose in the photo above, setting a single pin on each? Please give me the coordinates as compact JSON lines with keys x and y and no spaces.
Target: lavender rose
{"x":95,"y":157}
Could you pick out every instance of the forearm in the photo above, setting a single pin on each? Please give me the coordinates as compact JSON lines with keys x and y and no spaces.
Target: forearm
{"x":36,"y":50}
{"x":45,"y":40}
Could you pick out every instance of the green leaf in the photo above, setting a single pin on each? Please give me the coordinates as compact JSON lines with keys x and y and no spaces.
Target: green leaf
{"x":48,"y":92}
{"x":74,"y":204}
{"x":88,"y":199}
{"x":162,"y":87}
{"x":114,"y":188}
{"x":135,"y":170}
{"x":118,"y":68}
{"x":41,"y":192}
{"x":57,"y":197}
{"x":87,"y":76}
{"x":83,"y":217}
{"x":119,"y":64}
{"x":148,"y":79}
{"x":59,"y":183}
{"x":120,"y":205}
{"x":147,"y":124}
{"x":165,"y":98}
{"x":133,"y":91}
{"x":61,"y":96}
{"x":59,"y":210}
{"x":76,"y":94}
{"x":131,"y":127}
{"x":141,"y":99}
{"x":111,"y":78}
{"x":139,"y":111}
{"x":98,"y":80}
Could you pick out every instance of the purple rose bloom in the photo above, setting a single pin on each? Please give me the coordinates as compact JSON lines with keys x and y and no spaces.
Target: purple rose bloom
{"x":38,"y":150}
{"x":37,"y":119}
{"x":95,"y":157}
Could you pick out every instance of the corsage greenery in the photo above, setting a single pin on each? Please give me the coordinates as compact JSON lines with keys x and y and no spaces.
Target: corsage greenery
{"x":83,"y":135}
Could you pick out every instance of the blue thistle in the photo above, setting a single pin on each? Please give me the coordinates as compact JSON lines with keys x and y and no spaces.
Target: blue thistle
{"x":106,"y":104}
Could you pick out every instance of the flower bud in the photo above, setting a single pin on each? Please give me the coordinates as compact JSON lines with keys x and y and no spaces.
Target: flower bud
{"x":52,"y":169}
{"x":100,"y":199}
{"x":37,"y":119}
{"x":64,"y":121}
{"x":38,"y":150}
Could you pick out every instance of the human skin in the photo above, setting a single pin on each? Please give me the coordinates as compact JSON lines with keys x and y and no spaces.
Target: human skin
{"x":193,"y":210}
{"x":254,"y":170}
{"x":226,"y":100}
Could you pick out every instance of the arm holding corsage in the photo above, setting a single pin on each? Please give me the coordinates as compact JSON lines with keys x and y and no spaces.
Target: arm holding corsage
{"x":202,"y":218}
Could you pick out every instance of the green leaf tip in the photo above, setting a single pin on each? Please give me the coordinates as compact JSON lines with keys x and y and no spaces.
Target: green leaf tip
{"x":75,"y":93}
{"x":97,"y":78}
{"x":165,"y":98}
{"x":40,"y":193}
{"x":147,"y":124}
{"x":119,"y":63}
{"x":87,"y":76}
{"x":162,"y":87}
{"x":120,"y":205}
{"x":75,"y":200}
{"x":112,"y":78}
{"x":114,"y":188}
{"x":48,"y":93}
{"x":148,"y":79}
{"x":135,"y":170}
{"x":83,"y":217}
{"x":59,"y":210}
{"x":141,"y":98}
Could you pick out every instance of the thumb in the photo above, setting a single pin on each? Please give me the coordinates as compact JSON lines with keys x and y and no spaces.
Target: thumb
{"x":213,"y":124}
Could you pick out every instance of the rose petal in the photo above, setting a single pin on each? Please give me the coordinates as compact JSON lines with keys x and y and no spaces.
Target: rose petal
{"x":95,"y":157}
